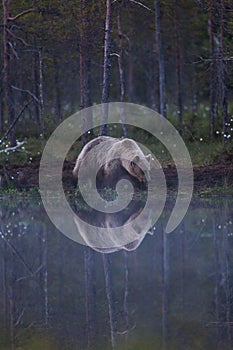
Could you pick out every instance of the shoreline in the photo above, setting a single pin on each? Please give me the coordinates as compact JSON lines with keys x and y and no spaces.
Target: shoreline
{"x":206,"y":177}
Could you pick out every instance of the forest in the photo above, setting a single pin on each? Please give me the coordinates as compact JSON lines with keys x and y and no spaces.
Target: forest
{"x":169,"y":290}
{"x":58,"y":58}
{"x":173,"y":56}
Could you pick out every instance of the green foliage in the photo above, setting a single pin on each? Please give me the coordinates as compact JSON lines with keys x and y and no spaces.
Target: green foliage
{"x":54,"y":27}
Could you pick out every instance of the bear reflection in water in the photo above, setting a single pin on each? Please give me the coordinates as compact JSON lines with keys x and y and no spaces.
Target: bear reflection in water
{"x":111,"y":232}
{"x":111,"y":160}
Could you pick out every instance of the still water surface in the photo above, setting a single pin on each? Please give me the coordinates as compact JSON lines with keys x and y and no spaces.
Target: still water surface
{"x":173,"y":292}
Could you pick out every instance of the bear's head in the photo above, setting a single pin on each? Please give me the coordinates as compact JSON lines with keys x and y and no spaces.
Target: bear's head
{"x":140,"y":167}
{"x":134,"y":160}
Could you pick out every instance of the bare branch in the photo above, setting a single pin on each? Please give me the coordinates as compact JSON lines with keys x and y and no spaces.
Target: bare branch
{"x":15,"y":251}
{"x":127,"y":331}
{"x":202,"y":59}
{"x":137,"y":3}
{"x":21,"y":278}
{"x":39,"y":269}
{"x":32,"y":324}
{"x":115,"y":54}
{"x":23,"y":13}
{"x":20,"y":317}
{"x":27,"y":91}
{"x":141,"y":4}
{"x":13,"y":49}
{"x":18,"y":38}
{"x":15,"y":121}
{"x":34,"y":273}
{"x":13,"y":148}
{"x":126,"y":37}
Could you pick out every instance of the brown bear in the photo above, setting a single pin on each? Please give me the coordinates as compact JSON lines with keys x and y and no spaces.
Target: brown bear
{"x":117,"y":159}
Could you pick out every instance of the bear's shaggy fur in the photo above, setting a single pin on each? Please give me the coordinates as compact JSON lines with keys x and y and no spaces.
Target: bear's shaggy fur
{"x":116,"y":160}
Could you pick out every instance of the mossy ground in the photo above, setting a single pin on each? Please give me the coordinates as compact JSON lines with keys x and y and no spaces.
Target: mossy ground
{"x":212,"y":161}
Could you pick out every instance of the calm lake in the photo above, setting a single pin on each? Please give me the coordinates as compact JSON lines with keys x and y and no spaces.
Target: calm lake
{"x":175,"y":291}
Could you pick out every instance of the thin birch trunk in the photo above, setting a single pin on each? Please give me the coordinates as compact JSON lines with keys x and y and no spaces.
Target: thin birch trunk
{"x":165,"y":289}
{"x":45,"y":276}
{"x":160,"y":58}
{"x":110,"y":297}
{"x":87,"y":124}
{"x":217,"y":284}
{"x":178,"y":66}
{"x":131,"y":65}
{"x":41,"y":95}
{"x":12,"y":302}
{"x":223,"y":94}
{"x":1,"y":110}
{"x":227,"y":286}
{"x":85,"y":70}
{"x":90,"y":296}
{"x":107,"y":68}
{"x":9,"y":103}
{"x":4,"y":285}
{"x":57,"y":91}
{"x":121,"y":74}
{"x":36,"y":84}
{"x":212,"y":70}
{"x":8,"y":21}
{"x":126,"y":295}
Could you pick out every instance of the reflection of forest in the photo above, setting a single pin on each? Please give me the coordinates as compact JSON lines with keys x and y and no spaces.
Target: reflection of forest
{"x":173,"y":292}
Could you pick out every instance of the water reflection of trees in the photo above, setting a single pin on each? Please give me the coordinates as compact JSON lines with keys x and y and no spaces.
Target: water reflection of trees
{"x":24,"y":270}
{"x":223,"y":290}
{"x":173,"y":292}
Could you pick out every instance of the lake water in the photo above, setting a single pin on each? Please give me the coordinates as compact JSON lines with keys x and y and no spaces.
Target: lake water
{"x":175,"y":291}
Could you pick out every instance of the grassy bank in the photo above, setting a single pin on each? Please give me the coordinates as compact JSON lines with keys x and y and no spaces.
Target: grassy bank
{"x":212,"y":162}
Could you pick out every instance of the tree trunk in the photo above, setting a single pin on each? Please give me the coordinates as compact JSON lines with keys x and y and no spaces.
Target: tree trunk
{"x":126,"y":295}
{"x":120,"y":58}
{"x":45,"y":275}
{"x":160,"y":58}
{"x":85,"y":69}
{"x":165,"y":289}
{"x":58,"y":117}
{"x":4,"y":285}
{"x":227,"y":285}
{"x":194,"y":92}
{"x":183,"y":264}
{"x":222,"y":76}
{"x":178,"y":66}
{"x":1,"y":109}
{"x":35,"y":88}
{"x":9,"y":103}
{"x":86,"y":117}
{"x":212,"y":70}
{"x":90,"y":293}
{"x":12,"y":308}
{"x":121,"y":74}
{"x":41,"y":95}
{"x":217,"y":284}
{"x":130,"y":76}
{"x":110,"y":297}
{"x":107,"y":67}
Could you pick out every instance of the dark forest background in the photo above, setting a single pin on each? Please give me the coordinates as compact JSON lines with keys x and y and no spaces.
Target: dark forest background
{"x":174,"y":56}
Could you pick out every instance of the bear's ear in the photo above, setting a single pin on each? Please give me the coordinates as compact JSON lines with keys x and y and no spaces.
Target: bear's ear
{"x":148,"y":157}
{"x":136,"y":159}
{"x":126,"y":142}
